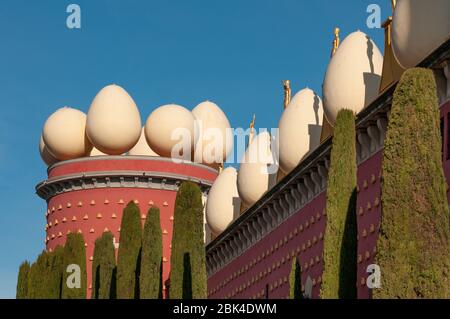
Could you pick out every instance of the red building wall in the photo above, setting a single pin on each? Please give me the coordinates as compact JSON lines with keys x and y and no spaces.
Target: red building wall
{"x":368,"y":217}
{"x":263,"y":270}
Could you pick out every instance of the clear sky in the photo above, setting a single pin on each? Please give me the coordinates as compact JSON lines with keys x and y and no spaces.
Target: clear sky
{"x":232,"y":52}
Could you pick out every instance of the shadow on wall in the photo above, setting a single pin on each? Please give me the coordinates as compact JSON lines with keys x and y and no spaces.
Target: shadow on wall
{"x":371,"y":80}
{"x":314,"y":130}
{"x":236,"y":207}
{"x":316,"y":108}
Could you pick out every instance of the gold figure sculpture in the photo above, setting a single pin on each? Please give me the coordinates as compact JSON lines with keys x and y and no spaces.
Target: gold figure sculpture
{"x":336,"y":40}
{"x":287,"y":92}
{"x":252,"y":129}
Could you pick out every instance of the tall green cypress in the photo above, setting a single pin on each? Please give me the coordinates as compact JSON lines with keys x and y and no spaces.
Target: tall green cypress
{"x":151,"y":261}
{"x":74,"y":255}
{"x":340,"y":241}
{"x":54,"y":273}
{"x":188,"y":267}
{"x":295,"y":280}
{"x":128,"y":260}
{"x":22,"y":281}
{"x":413,"y":245}
{"x":104,"y":268}
{"x":37,"y":288}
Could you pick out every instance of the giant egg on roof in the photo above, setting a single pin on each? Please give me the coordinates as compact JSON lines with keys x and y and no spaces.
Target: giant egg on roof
{"x":141,"y":148}
{"x":257,"y":172}
{"x":113,"y":121}
{"x":419,"y":27}
{"x":300,"y":128}
{"x":215,"y":137}
{"x":48,"y":158}
{"x":352,"y":80}
{"x":223,"y":203}
{"x":171,"y":128}
{"x":64,"y":134}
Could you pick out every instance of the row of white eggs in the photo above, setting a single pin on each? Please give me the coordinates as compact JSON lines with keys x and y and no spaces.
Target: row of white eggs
{"x":112,"y":126}
{"x":300,"y":128}
{"x":352,"y":81}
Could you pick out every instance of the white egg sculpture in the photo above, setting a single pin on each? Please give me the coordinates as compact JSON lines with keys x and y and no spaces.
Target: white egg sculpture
{"x":141,"y":148}
{"x":96,"y":152}
{"x":64,"y":134}
{"x":352,"y":80}
{"x":113,"y":121}
{"x":170,"y":131}
{"x":419,"y":27}
{"x":300,"y":128}
{"x":223,"y":203}
{"x":215,"y":140}
{"x":48,"y":158}
{"x":257,"y":172}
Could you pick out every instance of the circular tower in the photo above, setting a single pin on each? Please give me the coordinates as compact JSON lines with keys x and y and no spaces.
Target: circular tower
{"x":88,"y":195}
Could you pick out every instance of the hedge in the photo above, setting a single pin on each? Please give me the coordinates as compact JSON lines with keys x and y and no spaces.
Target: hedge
{"x":188,"y":268}
{"x":128,"y":259}
{"x":151,"y":261}
{"x":340,"y":240}
{"x":22,"y":281}
{"x":104,"y":268}
{"x":413,"y":245}
{"x":74,"y":255}
{"x":295,"y":280}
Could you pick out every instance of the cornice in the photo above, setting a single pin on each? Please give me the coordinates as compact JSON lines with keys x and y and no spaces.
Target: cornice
{"x":116,"y":179}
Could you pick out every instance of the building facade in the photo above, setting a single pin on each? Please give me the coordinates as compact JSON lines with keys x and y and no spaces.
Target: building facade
{"x":252,"y":258}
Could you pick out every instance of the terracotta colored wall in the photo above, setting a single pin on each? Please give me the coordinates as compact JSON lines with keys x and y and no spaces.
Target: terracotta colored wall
{"x":95,"y":216}
{"x":368,"y":217}
{"x":265,"y":267}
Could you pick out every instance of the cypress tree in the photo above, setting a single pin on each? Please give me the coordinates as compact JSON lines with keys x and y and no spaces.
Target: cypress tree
{"x":295,"y":280}
{"x":413,"y":245}
{"x":151,"y":261}
{"x":37,"y":288}
{"x":22,"y":281}
{"x":74,"y":254}
{"x":340,"y":241}
{"x":188,"y":268}
{"x":54,"y":273}
{"x":128,"y":260}
{"x":104,"y":268}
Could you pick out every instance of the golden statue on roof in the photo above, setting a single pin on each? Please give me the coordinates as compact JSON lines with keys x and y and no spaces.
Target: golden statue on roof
{"x":287,"y":92}
{"x":336,"y":40}
{"x":252,"y":129}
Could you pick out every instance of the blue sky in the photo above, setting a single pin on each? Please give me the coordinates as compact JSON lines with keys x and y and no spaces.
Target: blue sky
{"x":233,"y":52}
